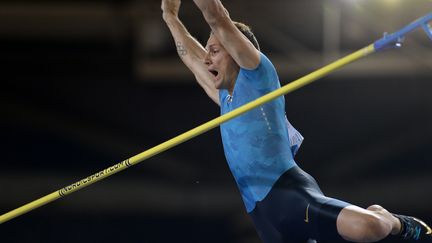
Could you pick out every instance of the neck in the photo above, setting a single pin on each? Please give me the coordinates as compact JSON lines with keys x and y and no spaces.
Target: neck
{"x":231,"y":89}
{"x":232,"y":82}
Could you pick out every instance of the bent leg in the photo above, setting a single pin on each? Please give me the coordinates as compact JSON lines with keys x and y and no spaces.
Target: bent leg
{"x":366,"y":225}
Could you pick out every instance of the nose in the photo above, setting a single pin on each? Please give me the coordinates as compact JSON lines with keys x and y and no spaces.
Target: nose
{"x":207,"y":60}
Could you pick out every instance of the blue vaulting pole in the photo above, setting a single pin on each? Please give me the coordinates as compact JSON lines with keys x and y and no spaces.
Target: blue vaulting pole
{"x":395,"y":39}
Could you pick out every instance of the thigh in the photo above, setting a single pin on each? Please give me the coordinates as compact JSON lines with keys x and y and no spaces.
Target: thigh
{"x":280,"y":217}
{"x":324,"y":218}
{"x":295,"y":210}
{"x":283,"y":211}
{"x":320,"y":212}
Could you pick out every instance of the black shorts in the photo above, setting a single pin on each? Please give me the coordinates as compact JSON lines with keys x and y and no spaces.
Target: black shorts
{"x":295,"y":211}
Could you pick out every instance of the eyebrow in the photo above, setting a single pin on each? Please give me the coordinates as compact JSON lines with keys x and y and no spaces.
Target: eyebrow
{"x":210,"y":46}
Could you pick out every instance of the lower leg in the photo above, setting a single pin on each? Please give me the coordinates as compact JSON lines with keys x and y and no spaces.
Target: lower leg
{"x":366,"y":225}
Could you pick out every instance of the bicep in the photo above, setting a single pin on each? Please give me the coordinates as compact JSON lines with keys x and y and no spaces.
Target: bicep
{"x":237,"y":45}
{"x":204,"y":78}
{"x":232,"y":39}
{"x":193,"y":59}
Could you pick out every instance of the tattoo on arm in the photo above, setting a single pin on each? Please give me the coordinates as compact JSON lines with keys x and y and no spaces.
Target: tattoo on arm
{"x":181,"y":50}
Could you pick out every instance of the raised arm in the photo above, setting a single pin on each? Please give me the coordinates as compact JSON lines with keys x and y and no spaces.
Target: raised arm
{"x":238,"y":46}
{"x":191,"y":52}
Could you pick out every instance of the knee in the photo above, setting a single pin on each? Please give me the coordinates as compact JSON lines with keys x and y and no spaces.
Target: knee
{"x":360,"y":225}
{"x":364,"y":227}
{"x":375,"y":208}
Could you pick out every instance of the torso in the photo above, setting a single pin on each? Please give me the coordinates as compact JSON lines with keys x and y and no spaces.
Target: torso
{"x":256,"y":144}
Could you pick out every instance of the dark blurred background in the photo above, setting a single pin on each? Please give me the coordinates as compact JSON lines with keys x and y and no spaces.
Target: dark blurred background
{"x":86,"y":84}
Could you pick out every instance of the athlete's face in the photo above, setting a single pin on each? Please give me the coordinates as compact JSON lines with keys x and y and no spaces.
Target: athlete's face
{"x":220,"y":64}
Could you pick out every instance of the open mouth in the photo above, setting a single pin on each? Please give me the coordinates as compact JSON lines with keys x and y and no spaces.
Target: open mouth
{"x":214,"y":72}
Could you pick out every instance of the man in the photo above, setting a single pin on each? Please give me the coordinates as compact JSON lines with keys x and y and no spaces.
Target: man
{"x":285,"y":203}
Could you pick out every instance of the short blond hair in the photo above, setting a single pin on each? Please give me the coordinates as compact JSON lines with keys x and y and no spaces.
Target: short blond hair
{"x":247,"y":31}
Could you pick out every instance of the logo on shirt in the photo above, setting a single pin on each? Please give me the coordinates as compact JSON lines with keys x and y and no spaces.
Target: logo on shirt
{"x":229,"y":98}
{"x":307,"y":214}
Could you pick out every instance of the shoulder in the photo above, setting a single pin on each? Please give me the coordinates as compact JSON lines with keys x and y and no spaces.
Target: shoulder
{"x":264,"y":64}
{"x":264,"y":71}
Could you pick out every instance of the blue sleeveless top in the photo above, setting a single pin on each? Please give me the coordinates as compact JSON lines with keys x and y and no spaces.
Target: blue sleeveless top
{"x":260,"y":144}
